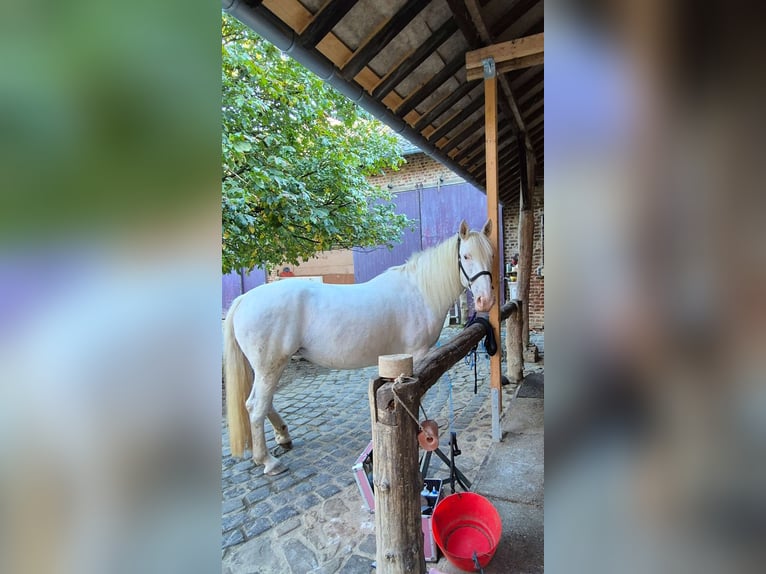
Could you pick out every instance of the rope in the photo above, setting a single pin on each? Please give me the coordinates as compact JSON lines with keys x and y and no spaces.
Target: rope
{"x":408,"y":411}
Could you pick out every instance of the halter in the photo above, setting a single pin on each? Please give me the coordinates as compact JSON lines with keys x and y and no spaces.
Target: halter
{"x":462,"y":269}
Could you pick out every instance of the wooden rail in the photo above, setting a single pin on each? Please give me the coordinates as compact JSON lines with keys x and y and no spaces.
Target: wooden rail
{"x":396,"y":475}
{"x":441,"y":359}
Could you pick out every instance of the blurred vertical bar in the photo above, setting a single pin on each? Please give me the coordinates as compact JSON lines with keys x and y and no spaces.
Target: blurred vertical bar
{"x":655,"y":287}
{"x":110,"y":284}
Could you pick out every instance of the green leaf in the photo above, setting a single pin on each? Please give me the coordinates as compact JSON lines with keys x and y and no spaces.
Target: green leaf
{"x":296,"y":154}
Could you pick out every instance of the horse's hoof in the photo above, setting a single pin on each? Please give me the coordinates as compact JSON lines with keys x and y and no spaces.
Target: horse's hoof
{"x":278,"y":468}
{"x":281,"y":449}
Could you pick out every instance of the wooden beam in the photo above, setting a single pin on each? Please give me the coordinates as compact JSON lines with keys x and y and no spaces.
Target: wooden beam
{"x":510,"y":65}
{"x":521,"y":81}
{"x":502,"y":157}
{"x":505,"y":135}
{"x":536,"y":122}
{"x":476,"y":141}
{"x":487,"y":38}
{"x":473,"y":38}
{"x":524,"y":189}
{"x":414,"y":59}
{"x":510,"y":17}
{"x":490,"y":139}
{"x":507,"y":131}
{"x":511,"y":172}
{"x":456,"y":120}
{"x":507,"y":55}
{"x":474,"y":130}
{"x":506,"y":51}
{"x":324,"y":21}
{"x":537,"y":103}
{"x":450,"y":69}
{"x":444,"y":105}
{"x":441,"y":359}
{"x":532,"y":90}
{"x":380,"y":39}
{"x":463,"y":18}
{"x":526,"y":238}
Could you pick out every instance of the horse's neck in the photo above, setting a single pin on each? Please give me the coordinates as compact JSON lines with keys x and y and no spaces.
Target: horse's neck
{"x":437,"y":275}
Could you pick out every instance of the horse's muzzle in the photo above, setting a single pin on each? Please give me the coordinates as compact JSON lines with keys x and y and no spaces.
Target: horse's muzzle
{"x":484,"y":303}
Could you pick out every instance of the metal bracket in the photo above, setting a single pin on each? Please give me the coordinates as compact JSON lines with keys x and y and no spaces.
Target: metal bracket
{"x":489,"y":68}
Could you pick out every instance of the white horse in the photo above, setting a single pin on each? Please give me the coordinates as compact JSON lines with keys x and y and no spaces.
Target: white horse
{"x":341,"y":327}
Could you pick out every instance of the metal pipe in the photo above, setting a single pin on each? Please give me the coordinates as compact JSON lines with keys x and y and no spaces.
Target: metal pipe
{"x":268,"y":26}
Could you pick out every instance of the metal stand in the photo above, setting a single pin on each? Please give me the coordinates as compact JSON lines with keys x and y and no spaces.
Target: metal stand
{"x":454,"y":472}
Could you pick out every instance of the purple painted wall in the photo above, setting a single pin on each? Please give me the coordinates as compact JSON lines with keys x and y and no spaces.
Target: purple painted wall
{"x":254,"y":278}
{"x":232,"y":284}
{"x":438,"y":212}
{"x":231,"y":288}
{"x":371,"y":262}
{"x":442,"y":210}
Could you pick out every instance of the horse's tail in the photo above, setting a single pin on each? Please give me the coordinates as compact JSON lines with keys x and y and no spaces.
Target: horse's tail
{"x":238,"y":375}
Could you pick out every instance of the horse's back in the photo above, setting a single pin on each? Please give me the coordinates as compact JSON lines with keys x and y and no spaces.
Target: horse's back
{"x":336,"y":326}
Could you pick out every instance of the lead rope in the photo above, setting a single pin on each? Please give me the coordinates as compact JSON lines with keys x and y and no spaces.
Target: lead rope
{"x":399,"y":379}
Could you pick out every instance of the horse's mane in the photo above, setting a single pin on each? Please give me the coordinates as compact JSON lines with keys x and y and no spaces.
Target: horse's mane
{"x":436,"y":271}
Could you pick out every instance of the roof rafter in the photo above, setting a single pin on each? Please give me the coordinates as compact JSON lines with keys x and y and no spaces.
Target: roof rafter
{"x":483,"y":32}
{"x":444,"y":105}
{"x":325,"y":20}
{"x":456,"y":120}
{"x":414,"y":59}
{"x":380,"y":39}
{"x":450,"y":69}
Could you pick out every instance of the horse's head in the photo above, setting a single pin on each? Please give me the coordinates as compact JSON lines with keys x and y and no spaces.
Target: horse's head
{"x":475,"y":256}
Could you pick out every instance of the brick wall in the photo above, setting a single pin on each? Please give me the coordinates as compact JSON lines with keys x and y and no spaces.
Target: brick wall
{"x":419,"y":170}
{"x":511,"y":239}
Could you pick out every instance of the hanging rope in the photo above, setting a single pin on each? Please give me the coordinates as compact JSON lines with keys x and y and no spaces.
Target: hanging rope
{"x":428,"y":430}
{"x":408,"y":411}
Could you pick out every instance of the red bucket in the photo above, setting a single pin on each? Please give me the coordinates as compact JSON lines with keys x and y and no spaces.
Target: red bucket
{"x":464,"y":523}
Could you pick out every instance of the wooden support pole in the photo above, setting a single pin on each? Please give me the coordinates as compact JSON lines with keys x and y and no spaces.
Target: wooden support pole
{"x":514,"y":347}
{"x":396,"y":476}
{"x":526,"y":237}
{"x":490,"y":137}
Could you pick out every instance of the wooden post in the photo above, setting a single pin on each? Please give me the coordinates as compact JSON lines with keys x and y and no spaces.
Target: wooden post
{"x":396,"y":476}
{"x":490,"y":131}
{"x":526,"y":237}
{"x":514,"y":348}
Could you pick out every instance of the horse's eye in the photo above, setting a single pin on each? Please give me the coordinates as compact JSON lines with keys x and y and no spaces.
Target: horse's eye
{"x":466,"y":257}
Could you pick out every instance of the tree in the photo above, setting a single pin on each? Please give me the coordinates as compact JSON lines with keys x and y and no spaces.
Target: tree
{"x":296,"y":156}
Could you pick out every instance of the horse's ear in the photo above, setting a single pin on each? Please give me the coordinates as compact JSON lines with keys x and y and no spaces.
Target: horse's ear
{"x":487,"y":229}
{"x":463,"y":230}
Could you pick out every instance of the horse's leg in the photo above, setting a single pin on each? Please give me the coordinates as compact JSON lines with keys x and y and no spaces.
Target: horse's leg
{"x":281,"y":434}
{"x":259,"y":405}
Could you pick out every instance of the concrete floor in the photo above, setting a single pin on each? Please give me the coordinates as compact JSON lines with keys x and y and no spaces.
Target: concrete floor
{"x":511,"y":477}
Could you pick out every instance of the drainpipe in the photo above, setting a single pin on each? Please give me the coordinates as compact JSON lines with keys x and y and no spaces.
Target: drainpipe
{"x":269,"y":27}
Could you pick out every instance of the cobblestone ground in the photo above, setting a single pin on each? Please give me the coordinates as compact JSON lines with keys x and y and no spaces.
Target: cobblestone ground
{"x":311,"y":518}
